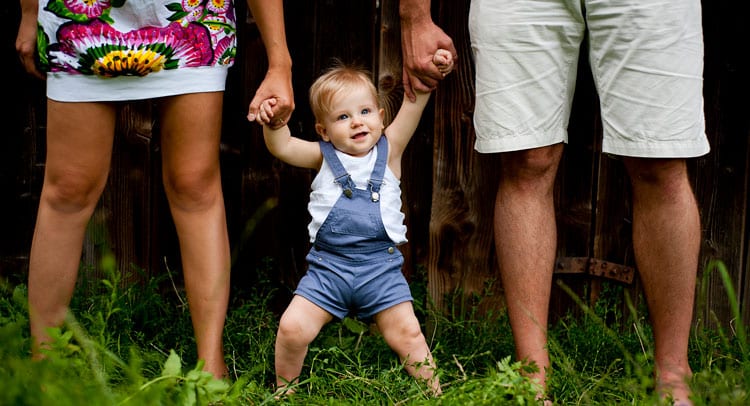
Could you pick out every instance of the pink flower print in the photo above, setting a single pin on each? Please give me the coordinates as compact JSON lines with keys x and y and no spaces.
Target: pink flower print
{"x":218,"y":26}
{"x":96,"y":48}
{"x":195,"y":14}
{"x":189,"y":5}
{"x":89,"y":8}
{"x":225,"y":51}
{"x":219,"y":6}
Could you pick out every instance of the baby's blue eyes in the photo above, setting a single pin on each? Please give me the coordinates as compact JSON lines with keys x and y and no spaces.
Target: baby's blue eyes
{"x":362,"y":112}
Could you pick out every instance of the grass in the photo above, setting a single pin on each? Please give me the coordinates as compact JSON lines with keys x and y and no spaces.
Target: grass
{"x":133,"y":345}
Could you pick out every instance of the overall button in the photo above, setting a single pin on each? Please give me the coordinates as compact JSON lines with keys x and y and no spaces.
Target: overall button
{"x":391,"y":250}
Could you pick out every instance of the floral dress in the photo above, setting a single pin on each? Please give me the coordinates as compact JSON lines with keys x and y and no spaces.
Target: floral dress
{"x":108,"y":50}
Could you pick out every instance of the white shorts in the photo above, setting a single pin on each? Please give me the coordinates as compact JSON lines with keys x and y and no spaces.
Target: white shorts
{"x":646,"y":58}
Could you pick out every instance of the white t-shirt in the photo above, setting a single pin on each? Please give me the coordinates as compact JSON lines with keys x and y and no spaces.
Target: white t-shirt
{"x":325,"y":193}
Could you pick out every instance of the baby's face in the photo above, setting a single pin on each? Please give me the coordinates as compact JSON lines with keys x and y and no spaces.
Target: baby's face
{"x":355,"y":122}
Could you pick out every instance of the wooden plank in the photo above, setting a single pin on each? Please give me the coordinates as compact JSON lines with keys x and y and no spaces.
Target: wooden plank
{"x":123,"y":221}
{"x":448,"y":188}
{"x":722,"y":176}
{"x":317,"y":32}
{"x":462,"y":263}
{"x":574,"y":192}
{"x":416,"y":181}
{"x":22,"y":155}
{"x":268,"y":199}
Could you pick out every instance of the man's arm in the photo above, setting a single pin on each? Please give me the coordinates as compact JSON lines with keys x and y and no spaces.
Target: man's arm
{"x":420,"y":39}
{"x":403,"y":126}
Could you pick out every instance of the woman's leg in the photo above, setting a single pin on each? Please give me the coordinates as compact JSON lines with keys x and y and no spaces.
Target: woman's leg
{"x":190,"y":137}
{"x":79,"y":149}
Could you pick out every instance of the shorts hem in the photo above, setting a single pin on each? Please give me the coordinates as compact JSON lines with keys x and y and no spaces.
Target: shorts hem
{"x":318,"y":303}
{"x":658,"y":150}
{"x":516,"y":143}
{"x":384,"y":307}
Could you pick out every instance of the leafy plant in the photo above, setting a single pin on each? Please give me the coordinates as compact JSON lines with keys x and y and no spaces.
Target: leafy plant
{"x":133,"y":345}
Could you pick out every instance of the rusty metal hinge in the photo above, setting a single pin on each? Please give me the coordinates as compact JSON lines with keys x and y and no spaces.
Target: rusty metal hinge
{"x":596,"y":267}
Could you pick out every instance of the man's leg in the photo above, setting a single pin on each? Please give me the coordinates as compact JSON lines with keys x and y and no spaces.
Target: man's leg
{"x":666,"y":239}
{"x":526,"y":241}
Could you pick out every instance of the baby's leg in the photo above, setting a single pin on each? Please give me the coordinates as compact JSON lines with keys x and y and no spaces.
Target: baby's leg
{"x":402,"y":332}
{"x":299,"y":325}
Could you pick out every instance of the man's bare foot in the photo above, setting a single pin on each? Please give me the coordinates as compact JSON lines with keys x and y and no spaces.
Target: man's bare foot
{"x":674,"y":387}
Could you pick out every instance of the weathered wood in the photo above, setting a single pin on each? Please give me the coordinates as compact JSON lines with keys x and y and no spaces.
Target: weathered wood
{"x":722,"y":177}
{"x":269,"y":198}
{"x":22,"y":153}
{"x":416,"y":186}
{"x":461,"y":257}
{"x":448,"y":188}
{"x":317,"y":33}
{"x":575,"y":186}
{"x":124,"y":221}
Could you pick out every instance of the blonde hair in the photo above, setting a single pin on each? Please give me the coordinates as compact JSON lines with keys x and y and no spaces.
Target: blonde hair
{"x":339,"y":78}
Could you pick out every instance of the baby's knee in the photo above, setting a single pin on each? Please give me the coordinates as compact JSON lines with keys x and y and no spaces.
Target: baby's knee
{"x":407,"y":335}
{"x":293,"y":333}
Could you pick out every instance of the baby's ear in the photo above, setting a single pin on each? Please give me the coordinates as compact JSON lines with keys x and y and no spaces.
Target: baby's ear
{"x":321,"y":130}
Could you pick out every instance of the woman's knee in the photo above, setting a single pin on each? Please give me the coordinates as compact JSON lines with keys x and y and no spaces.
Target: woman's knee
{"x":194,"y":189}
{"x":72,"y":193}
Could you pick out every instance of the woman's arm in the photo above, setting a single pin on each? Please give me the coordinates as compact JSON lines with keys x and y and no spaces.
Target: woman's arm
{"x":26,"y":38}
{"x":269,"y":16}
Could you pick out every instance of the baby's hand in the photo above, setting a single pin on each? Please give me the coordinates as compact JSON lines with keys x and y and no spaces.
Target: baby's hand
{"x":265,"y":113}
{"x":443,"y":59}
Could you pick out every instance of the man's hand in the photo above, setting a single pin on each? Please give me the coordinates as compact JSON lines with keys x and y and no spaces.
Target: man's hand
{"x":420,"y":41}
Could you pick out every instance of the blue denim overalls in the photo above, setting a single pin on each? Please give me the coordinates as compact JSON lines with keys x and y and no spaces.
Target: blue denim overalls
{"x":354,"y":265}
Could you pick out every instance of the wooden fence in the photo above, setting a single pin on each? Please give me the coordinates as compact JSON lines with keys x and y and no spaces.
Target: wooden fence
{"x":448,"y":187}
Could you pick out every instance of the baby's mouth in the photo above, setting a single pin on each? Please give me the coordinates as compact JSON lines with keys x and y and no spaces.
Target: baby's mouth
{"x":359,"y":135}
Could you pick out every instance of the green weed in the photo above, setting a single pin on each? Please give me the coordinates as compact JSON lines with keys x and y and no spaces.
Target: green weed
{"x":133,"y":345}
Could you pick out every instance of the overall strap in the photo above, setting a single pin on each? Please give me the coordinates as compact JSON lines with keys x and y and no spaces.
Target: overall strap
{"x":378,"y":172}
{"x":341,"y":176}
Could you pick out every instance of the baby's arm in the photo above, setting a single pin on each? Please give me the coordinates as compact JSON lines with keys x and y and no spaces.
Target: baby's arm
{"x":402,"y":127}
{"x":292,"y":150}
